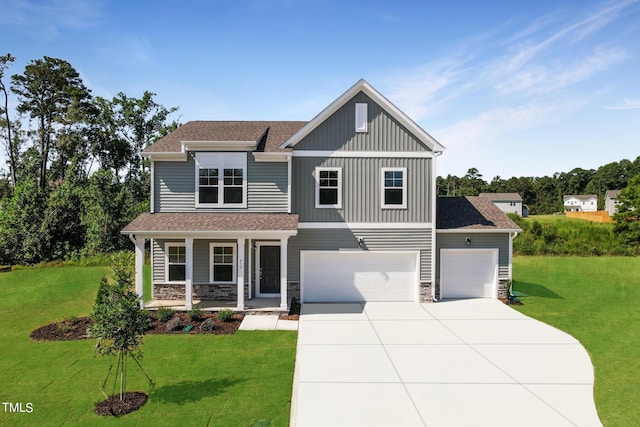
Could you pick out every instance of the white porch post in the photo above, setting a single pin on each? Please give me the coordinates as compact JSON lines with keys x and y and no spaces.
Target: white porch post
{"x":283,"y":274}
{"x":240,"y":276}
{"x":139,"y":278}
{"x":249,"y":264}
{"x":188,"y":273}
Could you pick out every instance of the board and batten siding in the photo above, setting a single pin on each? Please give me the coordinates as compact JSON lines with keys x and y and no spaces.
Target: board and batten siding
{"x":384,"y":133}
{"x":478,"y":241}
{"x":375,"y":239}
{"x":362,"y":189}
{"x":174,"y":187}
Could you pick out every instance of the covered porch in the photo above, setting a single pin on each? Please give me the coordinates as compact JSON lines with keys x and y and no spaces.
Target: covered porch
{"x":215,"y":260}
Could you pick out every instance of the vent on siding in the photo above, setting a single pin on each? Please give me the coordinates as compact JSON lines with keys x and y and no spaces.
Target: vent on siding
{"x":361,"y":117}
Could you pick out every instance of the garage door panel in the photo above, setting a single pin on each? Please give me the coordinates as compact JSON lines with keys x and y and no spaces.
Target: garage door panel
{"x":468,"y":273}
{"x":358,"y":276}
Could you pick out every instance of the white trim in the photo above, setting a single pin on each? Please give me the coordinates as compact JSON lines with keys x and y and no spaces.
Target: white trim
{"x":188,"y":273}
{"x":221,"y":161}
{"x":383,"y":187}
{"x":249,"y":267}
{"x":231,"y":234}
{"x":271,"y":157}
{"x":167,"y":245}
{"x":289,"y":184}
{"x":350,"y":225}
{"x":362,"y":86}
{"x":259,"y":245}
{"x":366,"y":154}
{"x":152,"y":172}
{"x":362,"y":117}
{"x":283,"y":274}
{"x":166,"y":156}
{"x":217,"y":145}
{"x":316,"y":175}
{"x":139,"y":269}
{"x":234,"y":261}
{"x":239,"y":272}
{"x":478,"y":230}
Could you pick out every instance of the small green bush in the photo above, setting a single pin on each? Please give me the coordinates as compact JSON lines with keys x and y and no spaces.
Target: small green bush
{"x":196,"y":314}
{"x":164,"y":314}
{"x":208,"y":325}
{"x":224,"y":315}
{"x":173,"y":324}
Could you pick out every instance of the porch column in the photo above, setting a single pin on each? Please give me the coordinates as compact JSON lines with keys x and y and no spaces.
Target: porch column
{"x":188,"y":273}
{"x":240,"y":276}
{"x":139,"y":278}
{"x":283,"y":274}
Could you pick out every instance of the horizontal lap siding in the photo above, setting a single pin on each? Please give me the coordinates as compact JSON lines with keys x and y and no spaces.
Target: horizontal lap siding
{"x":478,"y":241}
{"x":174,"y":187}
{"x":384,"y":133}
{"x":361,"y":191}
{"x":347,"y":239}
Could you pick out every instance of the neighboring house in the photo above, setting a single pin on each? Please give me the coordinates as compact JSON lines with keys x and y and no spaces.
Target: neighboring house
{"x":582,"y":203}
{"x":611,"y":201}
{"x":507,"y":202}
{"x":340,"y":208}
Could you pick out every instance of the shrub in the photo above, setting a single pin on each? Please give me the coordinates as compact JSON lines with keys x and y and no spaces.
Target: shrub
{"x":196,"y":313}
{"x":224,"y":315}
{"x":208,"y":325}
{"x":173,"y":324}
{"x":164,"y":314}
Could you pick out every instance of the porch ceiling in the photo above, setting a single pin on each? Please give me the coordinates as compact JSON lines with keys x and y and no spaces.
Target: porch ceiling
{"x":212,"y":222}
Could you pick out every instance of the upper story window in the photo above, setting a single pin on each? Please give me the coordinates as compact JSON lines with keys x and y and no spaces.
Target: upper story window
{"x":361,"y":117}
{"x":328,"y":187}
{"x":175,"y":262}
{"x":394,"y":188}
{"x":221,"y":179}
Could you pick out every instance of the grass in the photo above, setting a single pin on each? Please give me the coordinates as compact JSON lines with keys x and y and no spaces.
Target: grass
{"x":232,"y":380}
{"x":595,"y":299}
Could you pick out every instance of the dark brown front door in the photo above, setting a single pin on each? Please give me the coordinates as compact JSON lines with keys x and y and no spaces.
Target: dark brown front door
{"x":269,"y":269}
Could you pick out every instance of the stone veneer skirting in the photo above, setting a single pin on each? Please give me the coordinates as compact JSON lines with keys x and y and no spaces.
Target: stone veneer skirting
{"x":503,"y":288}
{"x":213,"y":292}
{"x":425,"y":292}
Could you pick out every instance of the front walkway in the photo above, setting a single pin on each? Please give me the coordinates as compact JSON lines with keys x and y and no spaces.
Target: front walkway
{"x":451,"y":363}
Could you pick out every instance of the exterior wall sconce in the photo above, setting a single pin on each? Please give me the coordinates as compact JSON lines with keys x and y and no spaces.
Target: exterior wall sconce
{"x":468,"y":240}
{"x":361,"y":243}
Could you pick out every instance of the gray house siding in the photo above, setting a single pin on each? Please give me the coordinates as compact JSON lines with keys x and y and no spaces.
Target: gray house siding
{"x":338,"y":131}
{"x":478,"y":241}
{"x":361,"y":191}
{"x":174,"y":187}
{"x":347,"y":239}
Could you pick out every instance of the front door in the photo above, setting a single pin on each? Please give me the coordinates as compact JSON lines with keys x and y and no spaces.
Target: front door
{"x":269,"y":270}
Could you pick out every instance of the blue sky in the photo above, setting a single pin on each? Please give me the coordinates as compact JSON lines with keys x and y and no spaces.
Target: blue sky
{"x":512,"y":88}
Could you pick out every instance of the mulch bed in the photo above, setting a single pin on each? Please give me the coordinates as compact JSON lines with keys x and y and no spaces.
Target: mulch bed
{"x":294,"y":311}
{"x":113,"y":406}
{"x":76,"y":328}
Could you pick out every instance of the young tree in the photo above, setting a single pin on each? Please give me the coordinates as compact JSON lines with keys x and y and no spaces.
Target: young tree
{"x":627,"y":218}
{"x":119,"y":322}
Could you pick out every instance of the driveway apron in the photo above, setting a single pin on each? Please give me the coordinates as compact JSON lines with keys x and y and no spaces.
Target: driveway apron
{"x":451,"y":363}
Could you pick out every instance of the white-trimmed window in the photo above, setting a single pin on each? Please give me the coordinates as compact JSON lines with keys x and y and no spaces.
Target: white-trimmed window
{"x":394,"y":188}
{"x":175,"y":265}
{"x":328,"y":187}
{"x":221,"y":179}
{"x":222,"y":263}
{"x":362,"y":118}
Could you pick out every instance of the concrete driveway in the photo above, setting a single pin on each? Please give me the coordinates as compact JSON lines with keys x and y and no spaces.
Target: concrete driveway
{"x":452,"y":363}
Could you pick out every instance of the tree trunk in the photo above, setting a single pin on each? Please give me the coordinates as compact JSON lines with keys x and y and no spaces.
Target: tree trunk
{"x":10,"y":142}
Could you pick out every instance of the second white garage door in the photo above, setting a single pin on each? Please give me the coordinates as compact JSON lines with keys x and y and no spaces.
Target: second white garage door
{"x":468,"y":273}
{"x":339,"y":276}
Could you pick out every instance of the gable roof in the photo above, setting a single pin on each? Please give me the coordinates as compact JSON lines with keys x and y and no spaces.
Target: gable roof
{"x":502,"y":197}
{"x":471,"y":213}
{"x":612,"y":194}
{"x":268,"y":135}
{"x":363,"y":86}
{"x":581,"y":197}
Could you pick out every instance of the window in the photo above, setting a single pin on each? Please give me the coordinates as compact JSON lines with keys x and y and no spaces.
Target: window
{"x":328,"y":187}
{"x":221,"y":179}
{"x":361,"y":117}
{"x":176,"y":262}
{"x":394,"y":187}
{"x":223,"y":261}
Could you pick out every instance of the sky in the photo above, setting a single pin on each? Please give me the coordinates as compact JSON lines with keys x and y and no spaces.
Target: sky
{"x":511,"y":88}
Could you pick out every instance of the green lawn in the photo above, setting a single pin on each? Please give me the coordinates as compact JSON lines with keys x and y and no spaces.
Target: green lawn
{"x":232,"y":380}
{"x":595,"y":299}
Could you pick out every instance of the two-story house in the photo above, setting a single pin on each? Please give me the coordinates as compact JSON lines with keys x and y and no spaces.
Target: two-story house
{"x":507,"y":202}
{"x":611,"y":201}
{"x":580,"y":203}
{"x":340,"y":208}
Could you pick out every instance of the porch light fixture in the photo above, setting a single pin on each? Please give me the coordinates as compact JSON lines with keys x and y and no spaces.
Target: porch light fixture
{"x":468,"y":240}
{"x":361,"y":243}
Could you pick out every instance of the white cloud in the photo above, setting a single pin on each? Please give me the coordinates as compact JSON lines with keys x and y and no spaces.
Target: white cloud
{"x":625,"y":104}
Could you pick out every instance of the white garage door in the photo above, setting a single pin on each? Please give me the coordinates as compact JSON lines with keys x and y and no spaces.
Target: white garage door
{"x":468,"y":273}
{"x":335,"y":276}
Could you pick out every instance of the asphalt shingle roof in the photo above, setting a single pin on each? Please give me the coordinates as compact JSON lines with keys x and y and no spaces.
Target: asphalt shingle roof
{"x":211,"y":221}
{"x":502,"y":197}
{"x":278,"y":132}
{"x":475,"y":213}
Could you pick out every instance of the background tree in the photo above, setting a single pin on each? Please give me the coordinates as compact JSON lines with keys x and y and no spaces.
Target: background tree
{"x":628,"y":215}
{"x":7,"y":136}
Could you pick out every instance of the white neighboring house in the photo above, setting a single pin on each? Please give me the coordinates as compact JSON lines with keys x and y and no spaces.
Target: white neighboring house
{"x":611,"y":201}
{"x":581,"y":203}
{"x":507,"y":202}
